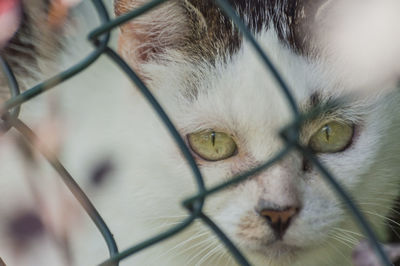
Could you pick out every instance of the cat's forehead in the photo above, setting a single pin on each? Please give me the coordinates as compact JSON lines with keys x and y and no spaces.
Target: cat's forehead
{"x":244,"y":88}
{"x":238,"y":96}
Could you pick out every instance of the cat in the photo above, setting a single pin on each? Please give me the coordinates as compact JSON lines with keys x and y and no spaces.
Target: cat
{"x":213,"y":85}
{"x":229,"y":110}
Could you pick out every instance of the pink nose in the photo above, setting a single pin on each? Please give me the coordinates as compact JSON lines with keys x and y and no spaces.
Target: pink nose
{"x":279,"y":220}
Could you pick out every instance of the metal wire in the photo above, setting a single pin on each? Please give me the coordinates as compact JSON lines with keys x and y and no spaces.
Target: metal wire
{"x":100,"y":39}
{"x":66,"y":177}
{"x":13,"y":87}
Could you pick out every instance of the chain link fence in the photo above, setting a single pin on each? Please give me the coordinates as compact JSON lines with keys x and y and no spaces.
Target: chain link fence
{"x":100,"y":38}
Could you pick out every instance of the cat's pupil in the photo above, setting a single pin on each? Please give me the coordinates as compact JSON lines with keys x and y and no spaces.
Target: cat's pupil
{"x":213,"y":138}
{"x":327,"y":130}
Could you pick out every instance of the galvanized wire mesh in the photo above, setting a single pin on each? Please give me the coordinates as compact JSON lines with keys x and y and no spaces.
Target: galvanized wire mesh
{"x":100,"y":37}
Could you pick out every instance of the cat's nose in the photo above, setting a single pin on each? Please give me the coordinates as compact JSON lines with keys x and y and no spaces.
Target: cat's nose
{"x":279,"y":219}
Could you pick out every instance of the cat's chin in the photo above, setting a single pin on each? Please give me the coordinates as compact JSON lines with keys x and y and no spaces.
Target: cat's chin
{"x":276,"y":250}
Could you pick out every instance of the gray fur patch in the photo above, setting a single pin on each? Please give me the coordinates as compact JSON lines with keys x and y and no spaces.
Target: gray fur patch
{"x":291,"y":19}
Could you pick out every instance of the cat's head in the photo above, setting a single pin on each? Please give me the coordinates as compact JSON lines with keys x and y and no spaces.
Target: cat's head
{"x":230,"y":110}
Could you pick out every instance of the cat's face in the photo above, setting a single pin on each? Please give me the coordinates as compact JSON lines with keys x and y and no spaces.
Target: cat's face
{"x":230,"y":111}
{"x":242,"y":101}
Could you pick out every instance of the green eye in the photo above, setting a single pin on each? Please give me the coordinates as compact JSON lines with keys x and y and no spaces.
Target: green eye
{"x":332,"y":137}
{"x":211,"y":145}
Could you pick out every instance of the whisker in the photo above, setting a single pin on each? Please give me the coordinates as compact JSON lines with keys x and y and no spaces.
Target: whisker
{"x":207,"y":247}
{"x":347,"y":258}
{"x":192,"y":238}
{"x":211,"y":238}
{"x":229,"y":261}
{"x":350,"y":236}
{"x":378,"y":205}
{"x":217,"y":248}
{"x":341,"y":241}
{"x":381,"y":216}
{"x":349,"y":231}
{"x":220,"y":256}
{"x":347,"y":239}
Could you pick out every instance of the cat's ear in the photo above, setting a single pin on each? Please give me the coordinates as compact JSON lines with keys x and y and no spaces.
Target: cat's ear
{"x":148,"y":36}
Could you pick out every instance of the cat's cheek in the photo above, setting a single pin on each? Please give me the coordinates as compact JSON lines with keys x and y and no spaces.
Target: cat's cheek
{"x":241,"y":223}
{"x":320,"y":213}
